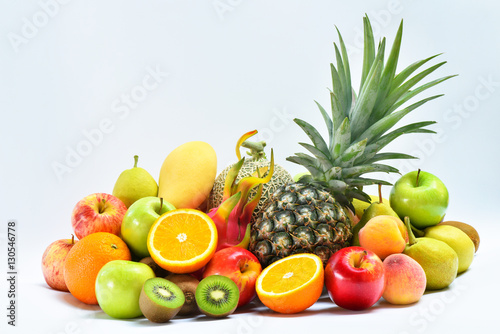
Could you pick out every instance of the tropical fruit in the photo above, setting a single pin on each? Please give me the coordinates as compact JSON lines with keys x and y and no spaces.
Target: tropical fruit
{"x":160,"y":300}
{"x":86,"y":258}
{"x":257,"y":161}
{"x":188,"y":174}
{"x":217,"y":296}
{"x":182,"y":241}
{"x":309,"y":216}
{"x":292,"y":284}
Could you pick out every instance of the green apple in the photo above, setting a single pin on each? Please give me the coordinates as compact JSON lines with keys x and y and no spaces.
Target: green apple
{"x":421,"y":196}
{"x":118,"y":287}
{"x":138,"y":221}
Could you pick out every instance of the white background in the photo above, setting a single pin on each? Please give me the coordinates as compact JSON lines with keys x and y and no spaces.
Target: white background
{"x":227,"y":67}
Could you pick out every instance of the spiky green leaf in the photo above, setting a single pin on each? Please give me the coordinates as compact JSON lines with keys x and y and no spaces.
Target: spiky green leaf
{"x":383,"y":125}
{"x":313,"y":134}
{"x":368,"y":50}
{"x":368,"y":168}
{"x":342,"y":139}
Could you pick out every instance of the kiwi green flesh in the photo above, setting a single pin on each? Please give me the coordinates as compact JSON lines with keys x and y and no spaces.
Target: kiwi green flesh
{"x":160,"y":300}
{"x":187,"y":284}
{"x":217,"y":296}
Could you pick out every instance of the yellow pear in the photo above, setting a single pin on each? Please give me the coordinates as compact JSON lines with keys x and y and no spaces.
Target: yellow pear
{"x":456,"y":239}
{"x":134,"y":184}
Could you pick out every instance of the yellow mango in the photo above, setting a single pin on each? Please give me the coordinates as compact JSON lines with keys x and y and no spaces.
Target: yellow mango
{"x":188,"y":174}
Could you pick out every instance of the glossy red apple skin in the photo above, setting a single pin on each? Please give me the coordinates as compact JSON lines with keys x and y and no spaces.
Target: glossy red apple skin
{"x":241,"y":266}
{"x":99,"y":212}
{"x":53,"y":263}
{"x":354,"y":278}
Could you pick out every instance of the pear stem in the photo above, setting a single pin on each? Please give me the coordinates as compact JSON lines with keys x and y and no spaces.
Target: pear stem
{"x":411,"y":236}
{"x":380,"y":193}
{"x":418,"y":174}
{"x":136,"y":158}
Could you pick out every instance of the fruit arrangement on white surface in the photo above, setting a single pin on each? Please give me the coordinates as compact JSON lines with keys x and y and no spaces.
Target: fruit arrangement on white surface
{"x":200,"y":243}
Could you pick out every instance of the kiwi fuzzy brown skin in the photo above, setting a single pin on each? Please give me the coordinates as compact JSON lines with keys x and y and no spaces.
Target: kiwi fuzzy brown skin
{"x":467,"y":229}
{"x":188,"y":285}
{"x":159,"y":271}
{"x":156,"y":312}
{"x":221,"y":283}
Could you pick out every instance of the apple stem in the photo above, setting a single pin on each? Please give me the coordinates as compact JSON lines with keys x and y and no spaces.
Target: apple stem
{"x":136,"y":159}
{"x":161,"y":204}
{"x":358,"y":264}
{"x":418,"y":174}
{"x":380,"y":193}
{"x":72,"y":239}
{"x":411,"y":236}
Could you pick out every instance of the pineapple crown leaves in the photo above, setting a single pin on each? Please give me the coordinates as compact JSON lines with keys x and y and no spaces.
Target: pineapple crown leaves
{"x":359,"y":126}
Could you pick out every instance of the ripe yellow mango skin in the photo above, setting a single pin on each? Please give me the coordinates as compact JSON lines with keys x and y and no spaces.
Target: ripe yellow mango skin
{"x":188,"y":175}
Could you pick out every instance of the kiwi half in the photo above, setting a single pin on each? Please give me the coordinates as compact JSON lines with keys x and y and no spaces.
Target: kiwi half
{"x":160,"y":299}
{"x":217,"y":296}
{"x":188,"y":285}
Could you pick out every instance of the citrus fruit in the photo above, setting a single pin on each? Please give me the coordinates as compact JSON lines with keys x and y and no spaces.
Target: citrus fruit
{"x":292,"y":284}
{"x":183,"y":240}
{"x":86,"y":258}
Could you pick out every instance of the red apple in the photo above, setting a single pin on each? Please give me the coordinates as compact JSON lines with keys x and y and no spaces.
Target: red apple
{"x":239,"y":265}
{"x":98,"y":212}
{"x":354,"y":278}
{"x":53,"y":263}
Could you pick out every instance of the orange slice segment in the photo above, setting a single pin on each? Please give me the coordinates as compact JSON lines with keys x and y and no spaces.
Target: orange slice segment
{"x":183,"y":240}
{"x":292,"y":284}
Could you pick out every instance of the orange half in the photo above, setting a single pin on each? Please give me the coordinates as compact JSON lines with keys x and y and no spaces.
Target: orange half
{"x":292,"y":284}
{"x":183,"y":240}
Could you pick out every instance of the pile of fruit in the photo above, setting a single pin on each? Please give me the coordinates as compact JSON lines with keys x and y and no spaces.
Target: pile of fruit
{"x":197,"y":242}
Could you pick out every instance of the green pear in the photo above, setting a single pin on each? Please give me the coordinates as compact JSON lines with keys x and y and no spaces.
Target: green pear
{"x":378,"y":208}
{"x":439,"y":261}
{"x":456,"y":239}
{"x":134,"y":183}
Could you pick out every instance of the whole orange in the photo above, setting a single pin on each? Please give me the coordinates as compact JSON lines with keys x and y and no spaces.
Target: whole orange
{"x":86,"y":258}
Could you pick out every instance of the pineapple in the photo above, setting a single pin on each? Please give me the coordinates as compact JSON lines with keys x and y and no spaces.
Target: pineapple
{"x":312,"y":215}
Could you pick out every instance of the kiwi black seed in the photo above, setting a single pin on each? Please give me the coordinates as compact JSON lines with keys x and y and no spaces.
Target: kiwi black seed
{"x":188,"y":285}
{"x":159,"y":271}
{"x":160,"y":299}
{"x":217,"y":296}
